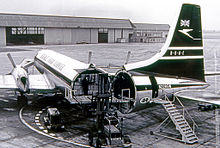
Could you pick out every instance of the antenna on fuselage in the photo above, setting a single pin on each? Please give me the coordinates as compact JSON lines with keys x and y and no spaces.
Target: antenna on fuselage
{"x":11,"y":60}
{"x":89,"y":57}
{"x":128,"y":57}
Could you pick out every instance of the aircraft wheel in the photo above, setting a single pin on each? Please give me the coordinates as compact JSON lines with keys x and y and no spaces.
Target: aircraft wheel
{"x":90,"y":139}
{"x":21,"y":101}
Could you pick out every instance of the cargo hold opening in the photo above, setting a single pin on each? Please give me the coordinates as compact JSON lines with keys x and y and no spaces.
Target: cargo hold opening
{"x":123,"y":85}
{"x":91,"y":82}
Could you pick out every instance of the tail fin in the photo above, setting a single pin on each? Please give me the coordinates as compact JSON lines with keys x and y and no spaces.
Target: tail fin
{"x":182,"y":54}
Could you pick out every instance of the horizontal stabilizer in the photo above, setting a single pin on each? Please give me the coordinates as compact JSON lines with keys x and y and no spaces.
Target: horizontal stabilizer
{"x":199,"y":95}
{"x":210,"y":73}
{"x":182,"y":54}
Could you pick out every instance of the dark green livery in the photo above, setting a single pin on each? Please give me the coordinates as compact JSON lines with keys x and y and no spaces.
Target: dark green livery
{"x":183,"y":57}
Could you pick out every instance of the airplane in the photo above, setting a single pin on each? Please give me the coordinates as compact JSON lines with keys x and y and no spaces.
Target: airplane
{"x":178,"y":66}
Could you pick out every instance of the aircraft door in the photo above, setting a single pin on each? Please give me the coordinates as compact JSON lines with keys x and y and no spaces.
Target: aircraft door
{"x":155,"y":87}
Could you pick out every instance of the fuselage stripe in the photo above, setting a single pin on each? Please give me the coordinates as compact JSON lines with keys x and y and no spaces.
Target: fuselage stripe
{"x":143,"y":87}
{"x":181,"y":57}
{"x":185,"y":48}
{"x":184,"y":53}
{"x":55,"y":72}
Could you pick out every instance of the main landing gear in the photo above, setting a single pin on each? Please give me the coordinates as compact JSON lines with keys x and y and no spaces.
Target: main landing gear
{"x":22,"y":100}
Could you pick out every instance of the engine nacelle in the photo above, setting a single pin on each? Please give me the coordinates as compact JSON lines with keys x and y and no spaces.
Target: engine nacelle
{"x":21,"y":78}
{"x":137,"y":90}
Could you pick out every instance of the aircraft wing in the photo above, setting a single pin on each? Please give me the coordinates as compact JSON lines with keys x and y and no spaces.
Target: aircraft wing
{"x":36,"y":82}
{"x":39,"y":82}
{"x":199,"y":95}
{"x":7,"y":82}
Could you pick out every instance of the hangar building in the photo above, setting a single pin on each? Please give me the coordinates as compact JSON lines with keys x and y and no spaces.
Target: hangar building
{"x":42,"y":29}
{"x":150,"y":33}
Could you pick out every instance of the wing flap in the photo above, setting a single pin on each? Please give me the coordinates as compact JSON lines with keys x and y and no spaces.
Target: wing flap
{"x":199,"y":95}
{"x":39,"y":82}
{"x":7,"y":82}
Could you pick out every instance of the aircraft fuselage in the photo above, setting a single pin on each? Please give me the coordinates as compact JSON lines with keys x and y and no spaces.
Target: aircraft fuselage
{"x":75,"y":78}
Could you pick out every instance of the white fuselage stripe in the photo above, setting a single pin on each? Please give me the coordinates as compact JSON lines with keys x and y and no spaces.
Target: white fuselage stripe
{"x":185,"y":48}
{"x":181,"y":57}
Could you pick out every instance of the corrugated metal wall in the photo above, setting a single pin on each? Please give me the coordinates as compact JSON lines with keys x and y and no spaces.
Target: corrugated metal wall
{"x":2,"y":36}
{"x":80,"y":35}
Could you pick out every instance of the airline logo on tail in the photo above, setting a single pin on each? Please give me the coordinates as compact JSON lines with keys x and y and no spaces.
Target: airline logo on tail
{"x":182,"y":54}
{"x":186,"y":23}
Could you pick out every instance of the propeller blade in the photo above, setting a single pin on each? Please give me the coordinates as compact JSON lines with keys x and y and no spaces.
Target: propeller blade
{"x":11,"y":60}
{"x":128,"y":57}
{"x":90,"y":57}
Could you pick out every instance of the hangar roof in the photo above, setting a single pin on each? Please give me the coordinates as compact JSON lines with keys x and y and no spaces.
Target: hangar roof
{"x":146,"y":26}
{"x":17,"y":20}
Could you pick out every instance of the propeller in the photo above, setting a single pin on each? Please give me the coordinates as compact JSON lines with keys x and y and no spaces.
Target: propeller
{"x":89,"y":57}
{"x":11,"y":60}
{"x":128,"y":57}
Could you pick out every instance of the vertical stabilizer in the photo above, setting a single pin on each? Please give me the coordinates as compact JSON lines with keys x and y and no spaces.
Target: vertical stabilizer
{"x":182,"y":54}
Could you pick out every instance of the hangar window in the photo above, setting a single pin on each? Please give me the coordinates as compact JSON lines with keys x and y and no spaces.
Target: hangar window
{"x":27,"y":30}
{"x":24,"y":35}
{"x":102,"y":30}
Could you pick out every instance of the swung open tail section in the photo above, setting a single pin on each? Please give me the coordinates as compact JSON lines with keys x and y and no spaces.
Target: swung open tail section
{"x":182,"y":54}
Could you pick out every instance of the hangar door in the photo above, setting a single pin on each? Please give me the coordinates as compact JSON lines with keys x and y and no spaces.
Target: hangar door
{"x":103,"y":36}
{"x":24,"y":35}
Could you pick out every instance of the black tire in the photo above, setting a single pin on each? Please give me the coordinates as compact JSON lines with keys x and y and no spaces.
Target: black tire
{"x":22,"y":101}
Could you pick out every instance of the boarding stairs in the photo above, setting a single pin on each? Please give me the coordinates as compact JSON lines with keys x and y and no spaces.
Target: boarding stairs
{"x":177,"y":116}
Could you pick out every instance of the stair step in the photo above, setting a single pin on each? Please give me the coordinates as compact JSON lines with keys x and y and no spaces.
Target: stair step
{"x":182,"y":122}
{"x":190,"y":134}
{"x":175,"y":113}
{"x":187,"y":131}
{"x":168,"y":105}
{"x":170,"y":108}
{"x":184,"y":126}
{"x":178,"y":116}
{"x":174,"y":110}
{"x":166,"y":102}
{"x":194,"y":139}
{"x":179,"y":119}
{"x":160,"y":101}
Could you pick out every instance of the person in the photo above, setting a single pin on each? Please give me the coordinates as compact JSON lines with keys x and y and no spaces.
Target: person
{"x":85,"y":85}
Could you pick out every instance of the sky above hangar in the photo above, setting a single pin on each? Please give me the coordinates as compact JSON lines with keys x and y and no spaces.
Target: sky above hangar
{"x":146,"y":11}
